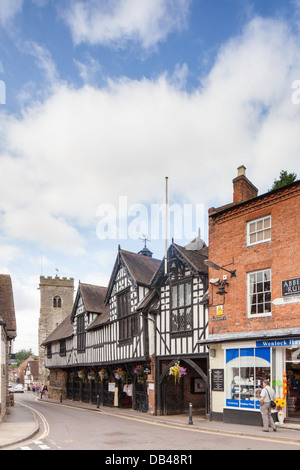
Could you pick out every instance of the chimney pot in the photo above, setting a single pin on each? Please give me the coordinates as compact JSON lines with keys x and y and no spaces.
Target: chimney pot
{"x":241,"y":170}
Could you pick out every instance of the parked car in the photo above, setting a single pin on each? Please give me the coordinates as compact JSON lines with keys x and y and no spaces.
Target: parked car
{"x":18,"y":389}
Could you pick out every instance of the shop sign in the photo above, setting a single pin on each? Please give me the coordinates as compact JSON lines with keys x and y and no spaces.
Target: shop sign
{"x":278,"y":343}
{"x":217,"y":380}
{"x":290,"y":287}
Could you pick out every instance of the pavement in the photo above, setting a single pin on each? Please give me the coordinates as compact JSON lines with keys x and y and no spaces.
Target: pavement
{"x":22,"y":424}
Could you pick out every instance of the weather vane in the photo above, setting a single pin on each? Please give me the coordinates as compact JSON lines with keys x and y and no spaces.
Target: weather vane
{"x":145,"y":239}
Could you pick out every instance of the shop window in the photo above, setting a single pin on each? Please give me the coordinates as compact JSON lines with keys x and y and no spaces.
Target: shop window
{"x":259,"y":230}
{"x":245,"y":370}
{"x":259,"y":293}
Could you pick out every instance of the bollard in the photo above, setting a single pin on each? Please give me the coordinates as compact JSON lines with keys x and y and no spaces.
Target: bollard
{"x":98,"y":401}
{"x":61,"y":398}
{"x":190,"y":413}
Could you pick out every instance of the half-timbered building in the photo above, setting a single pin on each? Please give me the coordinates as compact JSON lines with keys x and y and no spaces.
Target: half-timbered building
{"x":181,"y":320}
{"x":121,"y":344}
{"x":105,"y":341}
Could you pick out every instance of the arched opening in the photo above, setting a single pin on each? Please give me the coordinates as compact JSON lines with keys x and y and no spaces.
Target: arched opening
{"x":57,"y":302}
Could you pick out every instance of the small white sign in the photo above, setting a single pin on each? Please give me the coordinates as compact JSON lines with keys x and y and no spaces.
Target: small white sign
{"x":219,"y":310}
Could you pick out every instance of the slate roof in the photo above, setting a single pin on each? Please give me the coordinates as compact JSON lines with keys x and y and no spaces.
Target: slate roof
{"x":7,"y":306}
{"x":34,"y":368}
{"x":93,"y":298}
{"x":140,"y":268}
{"x":193,"y":258}
{"x":63,"y":331}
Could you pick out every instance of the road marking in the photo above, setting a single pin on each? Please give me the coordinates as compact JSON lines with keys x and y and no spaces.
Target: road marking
{"x":174,"y":426}
{"x":44,"y":447}
{"x":25,"y":448}
{"x":42,"y":417}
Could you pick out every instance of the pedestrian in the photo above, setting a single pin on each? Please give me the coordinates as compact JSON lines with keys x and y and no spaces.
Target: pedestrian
{"x":33,"y":388}
{"x":267,"y":395}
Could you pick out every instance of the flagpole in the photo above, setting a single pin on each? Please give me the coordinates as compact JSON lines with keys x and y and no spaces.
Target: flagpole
{"x":166,"y":235}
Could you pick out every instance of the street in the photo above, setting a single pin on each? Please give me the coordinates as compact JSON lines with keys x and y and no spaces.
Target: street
{"x":70,"y":428}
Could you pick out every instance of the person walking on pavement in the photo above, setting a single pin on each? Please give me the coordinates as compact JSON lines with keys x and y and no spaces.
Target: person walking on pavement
{"x":267,"y":395}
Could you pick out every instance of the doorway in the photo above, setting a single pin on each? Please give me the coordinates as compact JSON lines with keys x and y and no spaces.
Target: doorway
{"x":293,"y":382}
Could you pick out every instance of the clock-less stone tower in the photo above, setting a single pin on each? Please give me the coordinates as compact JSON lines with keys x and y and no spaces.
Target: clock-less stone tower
{"x":56,"y":303}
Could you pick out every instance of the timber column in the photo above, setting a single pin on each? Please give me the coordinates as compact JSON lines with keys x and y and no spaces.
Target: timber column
{"x":56,"y":303}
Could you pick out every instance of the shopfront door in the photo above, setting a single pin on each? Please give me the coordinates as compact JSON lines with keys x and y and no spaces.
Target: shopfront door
{"x":293,"y":380}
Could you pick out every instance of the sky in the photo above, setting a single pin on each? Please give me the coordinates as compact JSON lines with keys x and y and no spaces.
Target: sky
{"x":101,"y":100}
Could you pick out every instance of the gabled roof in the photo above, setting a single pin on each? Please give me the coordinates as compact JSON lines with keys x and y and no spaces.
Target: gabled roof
{"x":194,"y":259}
{"x":140,"y":268}
{"x":34,"y":368}
{"x":93,"y":299}
{"x":7,"y":306}
{"x":63,"y":331}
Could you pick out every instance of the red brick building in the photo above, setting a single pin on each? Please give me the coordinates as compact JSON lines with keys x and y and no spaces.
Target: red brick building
{"x":254,"y":306}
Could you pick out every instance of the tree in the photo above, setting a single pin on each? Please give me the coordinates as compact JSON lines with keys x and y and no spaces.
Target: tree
{"x":22,"y":355}
{"x":284,"y":179}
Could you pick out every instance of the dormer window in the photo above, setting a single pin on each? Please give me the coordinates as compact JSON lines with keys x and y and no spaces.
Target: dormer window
{"x":57,"y":302}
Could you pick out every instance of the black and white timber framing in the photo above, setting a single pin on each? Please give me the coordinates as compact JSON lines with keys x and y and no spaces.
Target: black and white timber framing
{"x":143,"y":317}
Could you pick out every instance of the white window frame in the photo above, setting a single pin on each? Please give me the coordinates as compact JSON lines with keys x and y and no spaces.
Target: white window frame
{"x":256,"y":221}
{"x":249,"y":294}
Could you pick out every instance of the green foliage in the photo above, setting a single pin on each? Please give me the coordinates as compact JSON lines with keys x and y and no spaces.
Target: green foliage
{"x":284,"y":179}
{"x":22,"y":355}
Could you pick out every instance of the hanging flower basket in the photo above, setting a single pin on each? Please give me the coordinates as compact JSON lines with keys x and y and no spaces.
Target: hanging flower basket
{"x":139,"y":371}
{"x":92,"y":375}
{"x":81,"y":375}
{"x":177,"y":371}
{"x":73,"y":375}
{"x":103,"y":374}
{"x":119,"y":374}
{"x":65,"y":375}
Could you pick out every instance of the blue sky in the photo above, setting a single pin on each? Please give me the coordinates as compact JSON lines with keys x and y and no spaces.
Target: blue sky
{"x":103,"y":99}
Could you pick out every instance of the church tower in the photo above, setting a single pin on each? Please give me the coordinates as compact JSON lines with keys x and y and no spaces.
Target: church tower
{"x":56,"y":303}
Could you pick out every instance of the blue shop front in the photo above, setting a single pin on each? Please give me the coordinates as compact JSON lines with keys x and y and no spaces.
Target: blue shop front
{"x":241,"y":368}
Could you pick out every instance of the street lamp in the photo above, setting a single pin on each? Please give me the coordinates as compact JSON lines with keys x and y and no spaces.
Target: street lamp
{"x":213,"y":265}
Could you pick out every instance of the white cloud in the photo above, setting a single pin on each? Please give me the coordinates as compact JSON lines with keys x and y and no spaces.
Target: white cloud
{"x":8,"y":10}
{"x":26,"y":299}
{"x":84,"y":147}
{"x":118,"y":21}
{"x":43,"y":60}
{"x":89,"y":70}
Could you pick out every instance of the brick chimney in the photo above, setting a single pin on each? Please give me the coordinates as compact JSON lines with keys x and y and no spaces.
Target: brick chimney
{"x":243,"y":189}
